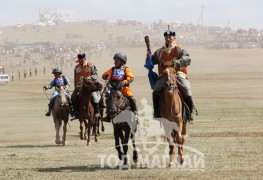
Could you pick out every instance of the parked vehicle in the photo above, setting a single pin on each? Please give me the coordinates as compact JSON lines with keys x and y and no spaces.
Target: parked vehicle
{"x":4,"y":79}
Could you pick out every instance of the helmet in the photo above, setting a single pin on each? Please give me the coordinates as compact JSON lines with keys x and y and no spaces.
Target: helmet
{"x":57,"y":70}
{"x":121,"y":56}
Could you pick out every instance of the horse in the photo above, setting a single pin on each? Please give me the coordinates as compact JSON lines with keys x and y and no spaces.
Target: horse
{"x":86,"y":109}
{"x":60,"y":112}
{"x":171,"y":109}
{"x":121,"y":127}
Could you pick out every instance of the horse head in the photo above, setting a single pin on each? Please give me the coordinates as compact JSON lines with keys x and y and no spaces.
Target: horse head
{"x":61,"y":97}
{"x":118,"y":102}
{"x":90,"y":85}
{"x":170,"y":78}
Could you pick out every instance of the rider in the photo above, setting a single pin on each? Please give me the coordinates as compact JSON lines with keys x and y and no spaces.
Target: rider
{"x":58,"y":81}
{"x":84,"y":69}
{"x":172,"y":54}
{"x":122,"y":73}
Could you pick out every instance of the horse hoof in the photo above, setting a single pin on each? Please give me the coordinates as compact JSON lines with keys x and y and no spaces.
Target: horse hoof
{"x":64,"y":143}
{"x":171,"y":164}
{"x":135,"y":157}
{"x":125,"y":167}
{"x":58,"y":142}
{"x":88,"y":143}
{"x":180,"y":159}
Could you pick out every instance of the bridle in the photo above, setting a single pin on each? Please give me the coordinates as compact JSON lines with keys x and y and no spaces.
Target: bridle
{"x":172,"y":86}
{"x":120,"y":105}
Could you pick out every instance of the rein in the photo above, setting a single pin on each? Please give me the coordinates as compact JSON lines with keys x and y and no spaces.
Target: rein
{"x":173,"y":86}
{"x":172,"y":106}
{"x":46,"y":95}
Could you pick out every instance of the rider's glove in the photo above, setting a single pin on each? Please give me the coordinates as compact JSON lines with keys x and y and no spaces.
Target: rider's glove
{"x":176,"y":64}
{"x":45,"y":88}
{"x":124,"y":82}
{"x":168,"y":64}
{"x":105,"y":76}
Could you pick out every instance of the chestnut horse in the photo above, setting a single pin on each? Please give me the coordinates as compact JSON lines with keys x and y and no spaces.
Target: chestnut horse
{"x":122,"y":126}
{"x":60,"y":112}
{"x":86,"y":109}
{"x":171,"y":110}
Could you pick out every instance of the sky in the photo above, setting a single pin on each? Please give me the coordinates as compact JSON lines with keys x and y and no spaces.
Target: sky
{"x":234,"y":13}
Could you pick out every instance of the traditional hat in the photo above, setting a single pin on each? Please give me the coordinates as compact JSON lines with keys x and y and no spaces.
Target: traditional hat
{"x":169,"y":32}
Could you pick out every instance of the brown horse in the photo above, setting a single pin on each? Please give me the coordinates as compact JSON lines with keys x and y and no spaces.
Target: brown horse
{"x":60,"y":112}
{"x":86,"y":109}
{"x":171,"y":109}
{"x":123,"y":127}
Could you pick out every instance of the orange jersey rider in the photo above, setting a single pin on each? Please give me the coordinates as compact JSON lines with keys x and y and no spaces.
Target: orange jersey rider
{"x":122,"y":73}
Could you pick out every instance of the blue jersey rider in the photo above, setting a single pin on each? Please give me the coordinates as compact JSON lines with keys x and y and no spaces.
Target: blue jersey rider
{"x":58,"y":81}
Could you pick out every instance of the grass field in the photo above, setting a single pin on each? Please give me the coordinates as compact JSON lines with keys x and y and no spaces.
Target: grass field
{"x":227,"y":88}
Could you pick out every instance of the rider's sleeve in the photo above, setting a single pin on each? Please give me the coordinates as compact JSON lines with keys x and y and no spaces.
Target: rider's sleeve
{"x":107,"y":75}
{"x":129,"y":77}
{"x":66,"y":81}
{"x":94,"y":72}
{"x":185,"y":59}
{"x":155,"y":58}
{"x":52,"y":84}
{"x":75,"y":82}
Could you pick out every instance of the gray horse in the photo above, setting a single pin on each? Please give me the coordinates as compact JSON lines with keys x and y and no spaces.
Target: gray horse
{"x":60,"y":112}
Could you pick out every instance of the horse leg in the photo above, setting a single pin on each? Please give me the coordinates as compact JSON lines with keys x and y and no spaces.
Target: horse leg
{"x":180,"y":140}
{"x":57,"y":127}
{"x":117,"y":133}
{"x":127,"y":132}
{"x":81,"y":129}
{"x":135,"y":153}
{"x":101,"y":116}
{"x":98,"y":126}
{"x":88,"y":133}
{"x":95,"y":128}
{"x":170,"y":139}
{"x":64,"y":141}
{"x":86,"y":129}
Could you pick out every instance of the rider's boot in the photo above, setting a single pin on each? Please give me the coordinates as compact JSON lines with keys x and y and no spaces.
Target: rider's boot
{"x":133,"y":104}
{"x":48,"y":113}
{"x":96,"y":109}
{"x":75,"y":113}
{"x":189,"y":101}
{"x":71,"y":110}
{"x":156,"y":102}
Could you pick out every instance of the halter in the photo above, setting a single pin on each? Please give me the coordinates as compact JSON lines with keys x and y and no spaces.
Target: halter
{"x":172,"y":85}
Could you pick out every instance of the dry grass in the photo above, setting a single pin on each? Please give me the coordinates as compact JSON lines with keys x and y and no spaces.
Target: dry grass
{"x":227,"y":88}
